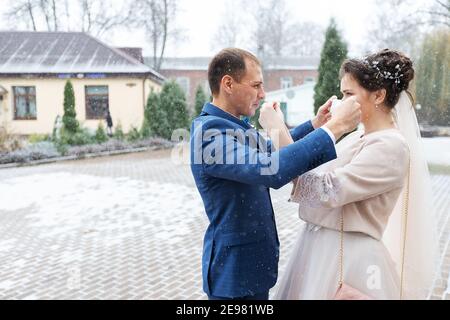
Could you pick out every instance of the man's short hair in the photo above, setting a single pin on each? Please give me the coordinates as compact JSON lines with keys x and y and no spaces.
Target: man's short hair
{"x":230,"y":61}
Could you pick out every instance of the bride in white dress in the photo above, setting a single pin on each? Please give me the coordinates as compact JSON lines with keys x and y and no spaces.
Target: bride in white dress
{"x":388,"y":241}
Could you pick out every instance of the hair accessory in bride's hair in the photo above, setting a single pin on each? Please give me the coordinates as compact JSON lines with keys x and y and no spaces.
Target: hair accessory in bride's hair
{"x":385,"y":74}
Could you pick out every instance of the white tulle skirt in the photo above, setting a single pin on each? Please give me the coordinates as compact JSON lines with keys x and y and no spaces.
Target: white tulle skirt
{"x":312,"y":272}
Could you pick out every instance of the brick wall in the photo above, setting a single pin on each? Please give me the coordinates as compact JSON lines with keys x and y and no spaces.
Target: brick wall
{"x":272,"y":79}
{"x":196,"y":78}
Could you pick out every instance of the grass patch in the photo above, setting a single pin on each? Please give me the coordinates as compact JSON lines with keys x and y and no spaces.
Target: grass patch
{"x":439,"y":169}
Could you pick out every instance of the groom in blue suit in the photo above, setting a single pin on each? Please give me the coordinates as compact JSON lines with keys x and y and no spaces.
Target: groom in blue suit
{"x":234,"y":167}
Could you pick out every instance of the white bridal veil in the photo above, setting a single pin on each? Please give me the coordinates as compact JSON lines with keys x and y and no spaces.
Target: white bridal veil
{"x":412,"y":239}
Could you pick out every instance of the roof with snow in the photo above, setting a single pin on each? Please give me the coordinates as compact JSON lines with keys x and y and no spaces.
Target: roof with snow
{"x":292,"y":63}
{"x":201,"y":63}
{"x":64,"y":52}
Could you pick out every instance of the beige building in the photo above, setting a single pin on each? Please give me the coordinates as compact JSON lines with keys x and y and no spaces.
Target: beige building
{"x":35,"y":66}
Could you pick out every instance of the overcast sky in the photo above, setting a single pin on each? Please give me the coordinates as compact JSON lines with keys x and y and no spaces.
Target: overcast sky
{"x":200,"y":19}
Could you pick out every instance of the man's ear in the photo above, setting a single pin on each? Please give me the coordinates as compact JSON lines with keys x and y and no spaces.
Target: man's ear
{"x":227,"y":84}
{"x":379,"y":96}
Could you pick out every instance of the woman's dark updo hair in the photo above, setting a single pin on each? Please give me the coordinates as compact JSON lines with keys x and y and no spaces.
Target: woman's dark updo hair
{"x":386,"y":69}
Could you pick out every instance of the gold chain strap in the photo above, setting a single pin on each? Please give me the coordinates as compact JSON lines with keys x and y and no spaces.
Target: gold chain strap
{"x":405,"y":213}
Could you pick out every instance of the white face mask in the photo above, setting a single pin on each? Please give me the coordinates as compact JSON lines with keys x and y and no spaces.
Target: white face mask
{"x":335,"y":104}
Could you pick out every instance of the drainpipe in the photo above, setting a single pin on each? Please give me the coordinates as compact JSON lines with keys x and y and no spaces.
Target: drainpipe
{"x":143,"y":93}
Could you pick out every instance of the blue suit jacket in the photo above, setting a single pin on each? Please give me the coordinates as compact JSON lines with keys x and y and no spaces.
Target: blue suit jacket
{"x":241,"y":247}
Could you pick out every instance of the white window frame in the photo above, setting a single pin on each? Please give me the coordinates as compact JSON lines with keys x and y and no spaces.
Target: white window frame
{"x":286,"y":82}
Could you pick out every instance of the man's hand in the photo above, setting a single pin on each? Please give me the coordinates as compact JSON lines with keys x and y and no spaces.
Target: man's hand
{"x":275,"y":106}
{"x":324,"y":114}
{"x":271,"y":116}
{"x":345,"y":118}
{"x":271,"y":119}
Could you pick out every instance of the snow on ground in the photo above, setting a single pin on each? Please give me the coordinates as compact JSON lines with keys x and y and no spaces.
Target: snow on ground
{"x":66,"y":203}
{"x":437,"y":150}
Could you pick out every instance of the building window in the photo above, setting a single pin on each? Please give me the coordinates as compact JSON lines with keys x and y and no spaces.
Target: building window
{"x":309,"y":79}
{"x":24,"y":103}
{"x":183,"y":82}
{"x":286,"y":82}
{"x":97,"y":102}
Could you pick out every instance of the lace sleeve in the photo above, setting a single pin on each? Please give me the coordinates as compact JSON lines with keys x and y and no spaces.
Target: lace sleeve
{"x":367,"y":175}
{"x":314,"y":188}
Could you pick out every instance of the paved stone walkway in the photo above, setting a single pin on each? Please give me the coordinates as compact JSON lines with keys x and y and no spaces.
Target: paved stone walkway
{"x":125,"y":227}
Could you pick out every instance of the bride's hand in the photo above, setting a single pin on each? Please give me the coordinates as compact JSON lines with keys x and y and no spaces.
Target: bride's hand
{"x":323,"y":114}
{"x":271,"y":116}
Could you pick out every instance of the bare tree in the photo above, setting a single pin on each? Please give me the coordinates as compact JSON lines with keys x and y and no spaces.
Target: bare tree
{"x":401,"y":24}
{"x":24,"y":10}
{"x":305,"y":39}
{"x":49,"y":10}
{"x":29,"y":10}
{"x":231,"y":31}
{"x":158,"y":17}
{"x":269,"y":29}
{"x":439,"y":13}
{"x":67,"y":14}
{"x":397,"y":25}
{"x":86,"y":15}
{"x":271,"y":22}
{"x":98,"y":17}
{"x":92,"y":16}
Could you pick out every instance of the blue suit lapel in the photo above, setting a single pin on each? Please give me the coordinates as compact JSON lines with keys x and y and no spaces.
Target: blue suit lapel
{"x":210,"y":109}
